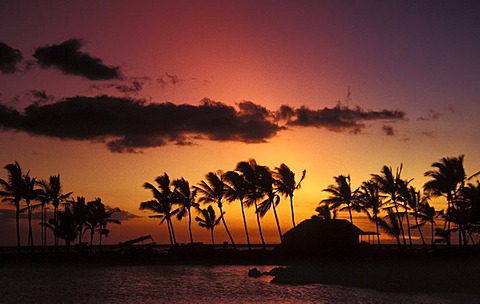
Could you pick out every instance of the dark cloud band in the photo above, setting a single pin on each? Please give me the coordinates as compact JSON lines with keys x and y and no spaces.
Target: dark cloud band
{"x":9,"y":59}
{"x":129,"y":125}
{"x":68,"y":58}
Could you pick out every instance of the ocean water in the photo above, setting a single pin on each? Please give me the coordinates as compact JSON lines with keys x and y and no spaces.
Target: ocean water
{"x":182,"y":284}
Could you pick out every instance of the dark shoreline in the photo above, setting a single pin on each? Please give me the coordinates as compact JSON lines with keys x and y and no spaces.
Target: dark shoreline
{"x":443,"y":271}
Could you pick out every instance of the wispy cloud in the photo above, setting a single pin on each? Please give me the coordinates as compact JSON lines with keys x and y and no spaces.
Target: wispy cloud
{"x":432,"y":115}
{"x":389,"y":130}
{"x":69,"y":59}
{"x":338,"y":118}
{"x":129,"y":125}
{"x":9,"y":59}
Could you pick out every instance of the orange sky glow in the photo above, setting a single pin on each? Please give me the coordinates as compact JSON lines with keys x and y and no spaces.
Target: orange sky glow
{"x":418,"y":58}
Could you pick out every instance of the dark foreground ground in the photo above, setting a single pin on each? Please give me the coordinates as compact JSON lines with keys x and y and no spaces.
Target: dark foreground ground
{"x":446,"y":271}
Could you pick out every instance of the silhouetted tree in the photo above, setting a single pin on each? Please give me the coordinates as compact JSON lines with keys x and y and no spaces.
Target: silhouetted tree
{"x":79,"y":209}
{"x":161,"y":204}
{"x":369,"y":198}
{"x":52,"y":191}
{"x":286,"y":185}
{"x":389,"y":185}
{"x":265,"y":182}
{"x":250,"y":173}
{"x":237,"y":189}
{"x":65,"y":227}
{"x":341,"y":194}
{"x":185,"y":198}
{"x":208,"y":220}
{"x":12,"y":193}
{"x":324,"y":212}
{"x":213,"y":191}
{"x":29,"y":193}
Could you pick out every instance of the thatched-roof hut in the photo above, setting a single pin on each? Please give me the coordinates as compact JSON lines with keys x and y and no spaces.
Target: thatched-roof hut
{"x":318,"y":236}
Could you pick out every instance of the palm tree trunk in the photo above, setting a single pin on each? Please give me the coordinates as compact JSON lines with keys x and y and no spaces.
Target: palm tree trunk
{"x":173,"y":231}
{"x":213,"y":240}
{"x":408,"y":227}
{"x":260,"y":226}
{"x":92,"y":231}
{"x":30,"y":232}
{"x":420,"y":232}
{"x":190,"y":225}
{"x":44,"y":227}
{"x":169,"y":232}
{"x":226,"y":228}
{"x":41,"y":227}
{"x":291,"y":208}
{"x":100,"y":240}
{"x":350,"y":213}
{"x":17,"y":223}
{"x":433,"y":233}
{"x":378,"y":232}
{"x":400,"y":222}
{"x":245,"y":225}
{"x":55,"y":220}
{"x":278,"y":223}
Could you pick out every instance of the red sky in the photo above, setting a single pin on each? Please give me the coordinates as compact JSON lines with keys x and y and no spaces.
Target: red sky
{"x":415,"y":62}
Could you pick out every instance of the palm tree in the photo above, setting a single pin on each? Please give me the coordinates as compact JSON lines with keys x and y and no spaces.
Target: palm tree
{"x":79,"y":209}
{"x":104,"y":216}
{"x":92,"y":221}
{"x":371,"y":199}
{"x":29,"y":194}
{"x":390,"y":225}
{"x":271,"y":197}
{"x":53,"y":193}
{"x":208,"y":221}
{"x":447,"y":177}
{"x":406,"y":197}
{"x":324,"y":212}
{"x":65,"y":228}
{"x":237,"y":189}
{"x":213,"y":191}
{"x":286,"y":185}
{"x":185,"y":197}
{"x":249,"y":171}
{"x":389,"y":185}
{"x":414,"y":200}
{"x":161,"y":204}
{"x":341,"y":194}
{"x":12,"y":193}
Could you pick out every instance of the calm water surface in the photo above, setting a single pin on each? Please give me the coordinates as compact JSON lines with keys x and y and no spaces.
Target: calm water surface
{"x":182,"y":284}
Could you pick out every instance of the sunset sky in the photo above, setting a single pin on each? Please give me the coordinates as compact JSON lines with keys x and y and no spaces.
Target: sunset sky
{"x":111,"y":94}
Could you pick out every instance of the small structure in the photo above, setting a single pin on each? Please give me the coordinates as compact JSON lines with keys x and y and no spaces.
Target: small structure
{"x":317,"y":236}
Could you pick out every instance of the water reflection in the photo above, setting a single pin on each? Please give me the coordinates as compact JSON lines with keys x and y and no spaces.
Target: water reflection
{"x":179,"y":284}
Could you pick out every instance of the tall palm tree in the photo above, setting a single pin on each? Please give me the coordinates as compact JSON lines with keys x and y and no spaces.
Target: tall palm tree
{"x":161,"y":204}
{"x":371,"y":199}
{"x":213,"y":191}
{"x":104,"y":216}
{"x":53,"y":193}
{"x":185,"y":197}
{"x":271,"y":197}
{"x":92,"y":220}
{"x":79,"y":209}
{"x":208,"y":220}
{"x":237,"y":189}
{"x":12,"y":193}
{"x":286,"y":185}
{"x":341,"y":194}
{"x":249,"y":171}
{"x":406,"y":197}
{"x":389,"y":185}
{"x":29,"y":194}
{"x":65,"y":228}
{"x":415,"y":200}
{"x":447,"y":179}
